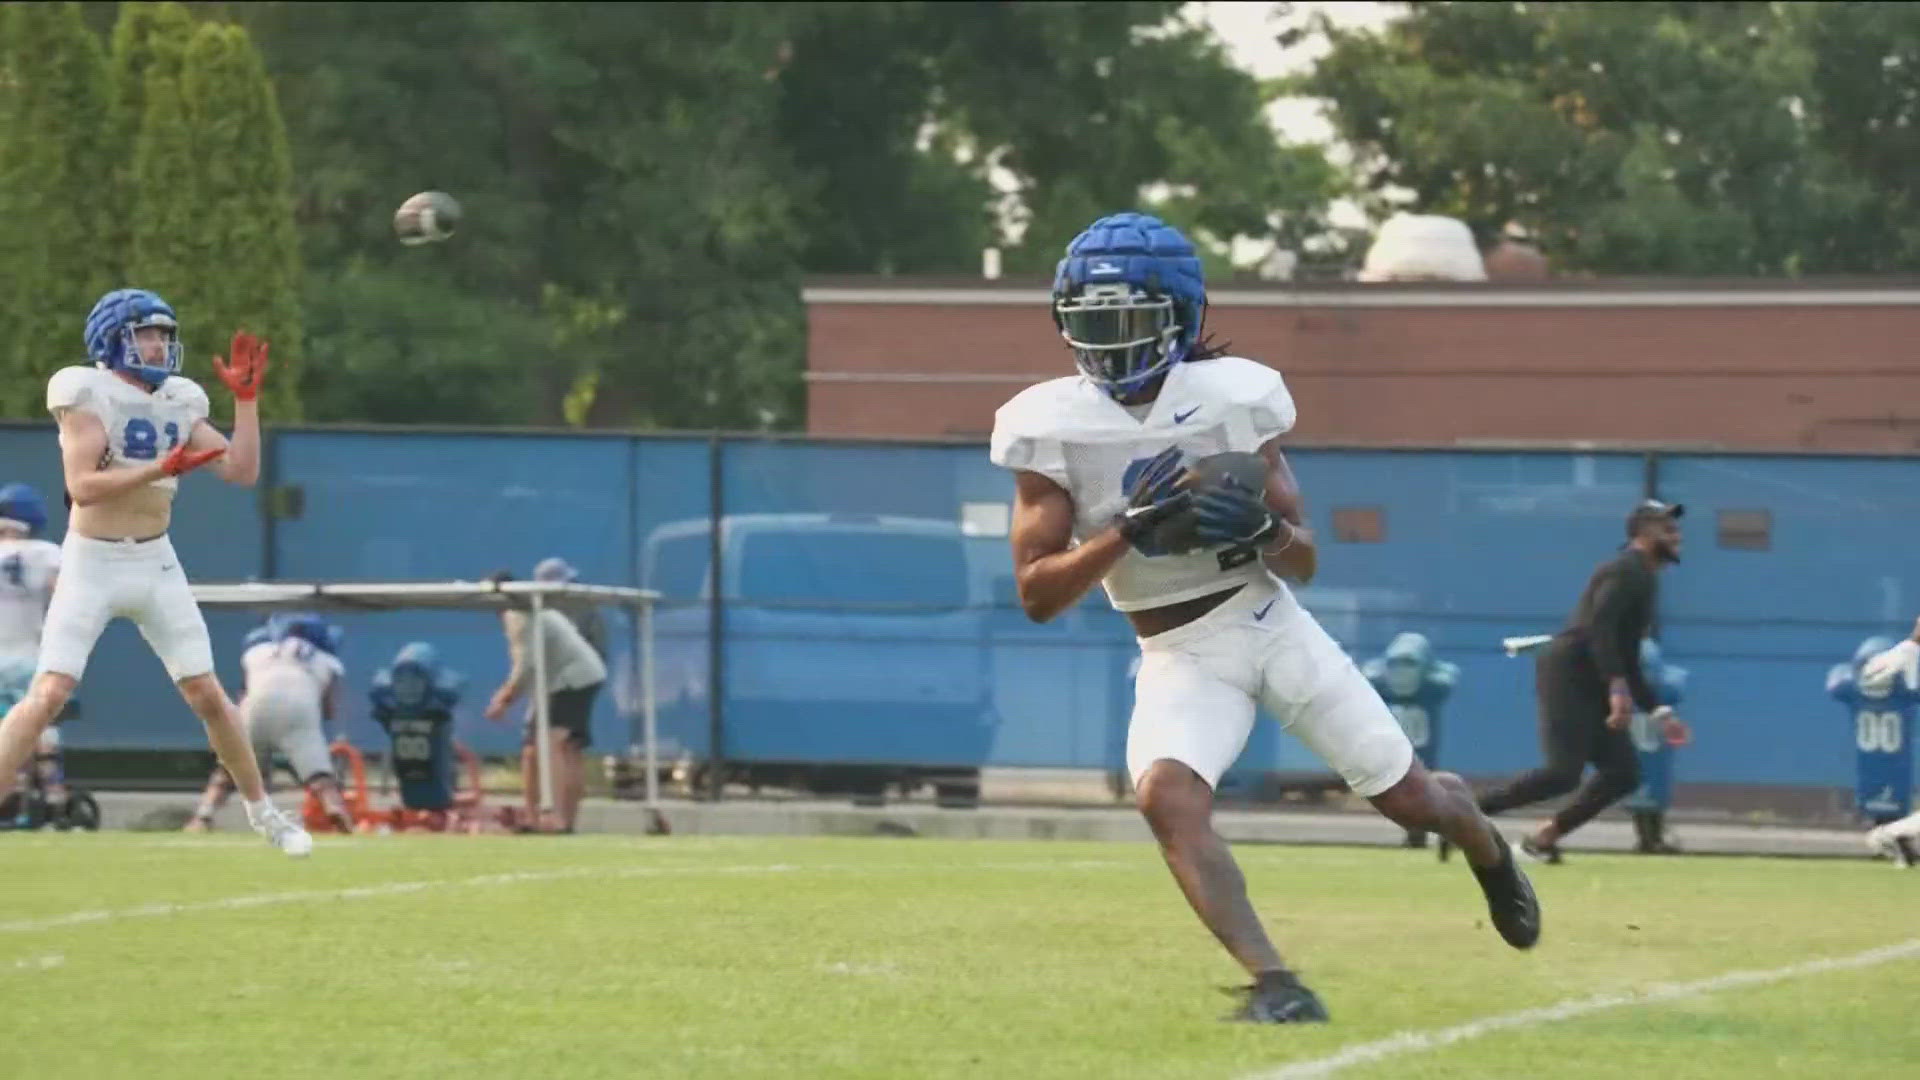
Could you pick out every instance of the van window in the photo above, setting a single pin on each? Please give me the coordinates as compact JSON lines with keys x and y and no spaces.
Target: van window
{"x":863,"y":567}
{"x":679,"y":570}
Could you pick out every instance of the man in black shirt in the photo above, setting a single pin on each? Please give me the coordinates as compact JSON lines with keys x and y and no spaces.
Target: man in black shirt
{"x":1588,"y":682}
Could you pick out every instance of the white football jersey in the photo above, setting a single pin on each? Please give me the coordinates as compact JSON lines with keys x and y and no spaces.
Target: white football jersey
{"x":26,"y":586}
{"x":290,"y":668}
{"x":1073,"y":433}
{"x":141,"y":426}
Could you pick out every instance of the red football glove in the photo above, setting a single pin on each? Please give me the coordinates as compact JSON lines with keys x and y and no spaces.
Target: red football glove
{"x":182,"y":460}
{"x":249,"y":367}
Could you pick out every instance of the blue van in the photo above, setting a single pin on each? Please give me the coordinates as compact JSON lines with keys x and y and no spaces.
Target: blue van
{"x":856,"y":652}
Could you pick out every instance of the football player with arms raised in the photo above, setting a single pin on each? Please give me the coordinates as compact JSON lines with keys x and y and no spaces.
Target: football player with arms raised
{"x":1157,"y":473}
{"x":130,"y":426}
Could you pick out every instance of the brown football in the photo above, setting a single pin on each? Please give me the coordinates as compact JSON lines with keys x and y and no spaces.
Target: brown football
{"x":426,"y":218}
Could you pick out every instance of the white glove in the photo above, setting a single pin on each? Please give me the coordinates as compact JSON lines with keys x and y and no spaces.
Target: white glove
{"x":1878,"y":673}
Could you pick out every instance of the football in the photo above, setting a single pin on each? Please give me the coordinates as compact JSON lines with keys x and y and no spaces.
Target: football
{"x":426,"y":218}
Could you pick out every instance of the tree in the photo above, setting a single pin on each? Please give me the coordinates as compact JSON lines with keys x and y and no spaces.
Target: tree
{"x":53,"y":158}
{"x":886,"y":189}
{"x":630,"y":233}
{"x":1864,"y":108}
{"x":242,"y":194}
{"x":1662,"y":138}
{"x":169,"y":253}
{"x":901,"y":112}
{"x":146,"y":36}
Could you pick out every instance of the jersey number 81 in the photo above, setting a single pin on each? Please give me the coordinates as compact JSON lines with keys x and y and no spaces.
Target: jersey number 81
{"x":143,"y":440}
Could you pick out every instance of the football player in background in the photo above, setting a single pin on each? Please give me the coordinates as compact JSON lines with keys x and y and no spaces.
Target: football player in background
{"x":130,"y":426}
{"x":293,"y":680}
{"x":29,"y":567}
{"x":1101,"y":484}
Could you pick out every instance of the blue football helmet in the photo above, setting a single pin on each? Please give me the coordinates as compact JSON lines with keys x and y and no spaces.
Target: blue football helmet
{"x":416,"y":678}
{"x":1130,"y":298}
{"x":110,"y":334}
{"x":21,"y":503}
{"x":312,"y":629}
{"x":1869,"y":649}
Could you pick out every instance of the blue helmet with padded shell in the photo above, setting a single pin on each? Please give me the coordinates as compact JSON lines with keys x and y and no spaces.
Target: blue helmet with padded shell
{"x":22,"y":503}
{"x":111,"y":328}
{"x":1129,"y":298}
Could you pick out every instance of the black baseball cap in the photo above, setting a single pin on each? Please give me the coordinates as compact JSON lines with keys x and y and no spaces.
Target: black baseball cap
{"x":1653,"y":510}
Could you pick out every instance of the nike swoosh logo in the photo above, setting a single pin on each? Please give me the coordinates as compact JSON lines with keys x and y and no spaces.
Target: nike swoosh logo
{"x":166,"y":568}
{"x":1181,"y":417}
{"x":1262,"y":612}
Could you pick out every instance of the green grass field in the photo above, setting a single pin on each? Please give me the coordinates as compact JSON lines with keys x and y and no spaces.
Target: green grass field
{"x":154,"y":956}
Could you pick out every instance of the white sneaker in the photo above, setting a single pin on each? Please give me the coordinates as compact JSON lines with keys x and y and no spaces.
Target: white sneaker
{"x":283,"y":832}
{"x":1892,"y":847}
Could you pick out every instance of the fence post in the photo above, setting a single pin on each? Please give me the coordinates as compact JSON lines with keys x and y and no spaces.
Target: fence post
{"x":716,"y":620}
{"x":1650,"y":488}
{"x":267,"y":505}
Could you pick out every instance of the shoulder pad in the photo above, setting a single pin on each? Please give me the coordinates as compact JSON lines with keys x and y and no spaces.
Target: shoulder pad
{"x":1373,"y":669}
{"x":1839,"y":679}
{"x":1444,"y":674}
{"x":1029,"y":429}
{"x":187,"y":392}
{"x":71,"y":388}
{"x":1250,"y":384}
{"x":1036,"y":412}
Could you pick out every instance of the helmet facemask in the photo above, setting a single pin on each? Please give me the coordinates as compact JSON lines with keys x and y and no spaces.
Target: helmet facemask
{"x":134,"y":362}
{"x":1122,"y":336}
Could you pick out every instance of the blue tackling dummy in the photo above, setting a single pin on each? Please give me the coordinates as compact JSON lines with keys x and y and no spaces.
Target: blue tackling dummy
{"x":1882,"y":716}
{"x":1415,"y":687}
{"x":414,"y":699}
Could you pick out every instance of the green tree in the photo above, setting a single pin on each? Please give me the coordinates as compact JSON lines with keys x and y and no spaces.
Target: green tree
{"x":243,"y":196}
{"x":168,"y":251}
{"x":886,"y":191}
{"x":145,"y":36}
{"x":1657,"y":138}
{"x":901,"y":113}
{"x":609,"y":166}
{"x":1864,"y":108}
{"x":53,"y":159}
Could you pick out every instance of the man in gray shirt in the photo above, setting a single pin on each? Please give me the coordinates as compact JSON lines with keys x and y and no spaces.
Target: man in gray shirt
{"x":575,"y":674}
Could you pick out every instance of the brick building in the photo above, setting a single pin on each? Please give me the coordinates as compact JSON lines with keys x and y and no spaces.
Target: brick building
{"x":1744,"y":365}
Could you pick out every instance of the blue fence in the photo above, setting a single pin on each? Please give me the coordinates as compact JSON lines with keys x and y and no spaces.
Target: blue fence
{"x":867,"y":605}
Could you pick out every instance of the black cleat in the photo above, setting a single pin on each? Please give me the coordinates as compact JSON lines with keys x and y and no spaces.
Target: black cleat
{"x":1277,"y":997}
{"x":1541,"y":853}
{"x":1514,"y":908}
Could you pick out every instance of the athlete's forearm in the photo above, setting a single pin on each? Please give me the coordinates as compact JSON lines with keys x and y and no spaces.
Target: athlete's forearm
{"x":1053,"y":583}
{"x":241,"y":464}
{"x":1294,"y":555}
{"x":99,"y":485}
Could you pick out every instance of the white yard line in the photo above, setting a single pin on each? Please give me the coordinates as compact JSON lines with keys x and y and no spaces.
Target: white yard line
{"x":396,"y":888}
{"x":36,"y":963}
{"x":1414,"y":1042}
